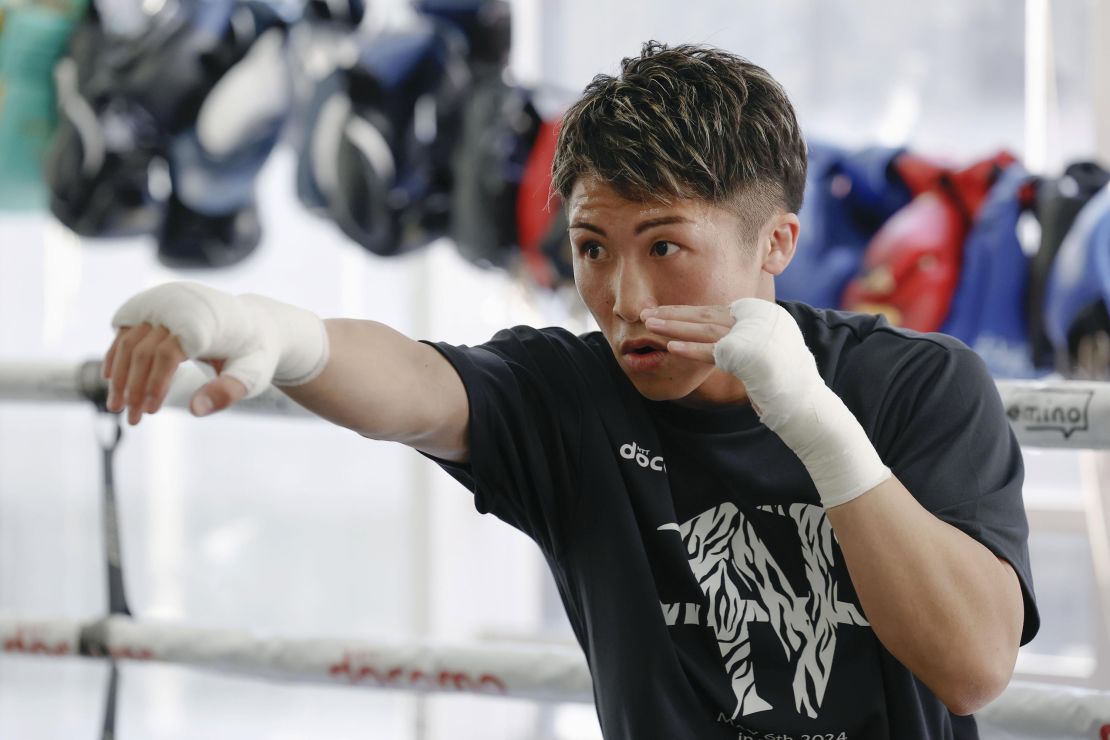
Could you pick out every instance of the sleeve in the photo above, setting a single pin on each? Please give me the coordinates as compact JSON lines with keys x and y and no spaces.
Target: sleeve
{"x":945,"y":435}
{"x":524,"y":429}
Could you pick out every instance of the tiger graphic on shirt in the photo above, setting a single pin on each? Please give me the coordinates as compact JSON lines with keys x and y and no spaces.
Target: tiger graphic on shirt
{"x":729,"y":558}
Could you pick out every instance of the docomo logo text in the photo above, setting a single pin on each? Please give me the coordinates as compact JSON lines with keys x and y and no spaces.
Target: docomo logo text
{"x":24,"y":641}
{"x":643,"y":458}
{"x":123,"y":651}
{"x":27,"y":640}
{"x":357,"y":670}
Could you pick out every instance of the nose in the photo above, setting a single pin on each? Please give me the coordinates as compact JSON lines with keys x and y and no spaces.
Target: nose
{"x":632,"y":292}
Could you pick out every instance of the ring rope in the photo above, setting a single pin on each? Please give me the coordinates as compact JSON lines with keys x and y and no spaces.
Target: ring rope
{"x":537,"y":672}
{"x":1069,"y":414}
{"x":513,"y":670}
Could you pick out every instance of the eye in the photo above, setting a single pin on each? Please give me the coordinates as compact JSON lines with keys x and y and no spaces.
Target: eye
{"x":591,"y":250}
{"x":663,"y":249}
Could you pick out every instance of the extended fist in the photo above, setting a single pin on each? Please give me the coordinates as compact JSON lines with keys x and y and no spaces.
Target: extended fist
{"x":250,"y":339}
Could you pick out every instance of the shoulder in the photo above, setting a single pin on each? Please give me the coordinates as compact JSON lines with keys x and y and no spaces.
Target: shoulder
{"x":545,"y":344}
{"x":553,"y":355}
{"x":849,"y":342}
{"x":868,"y":362}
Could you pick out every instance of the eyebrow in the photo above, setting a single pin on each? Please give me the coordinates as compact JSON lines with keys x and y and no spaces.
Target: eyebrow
{"x":640,"y":227}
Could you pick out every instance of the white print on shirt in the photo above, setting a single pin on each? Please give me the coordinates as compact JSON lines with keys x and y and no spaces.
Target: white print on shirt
{"x":643,"y":458}
{"x":726,"y":554}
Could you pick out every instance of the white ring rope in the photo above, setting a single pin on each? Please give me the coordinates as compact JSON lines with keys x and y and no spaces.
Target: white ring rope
{"x":69,"y":382}
{"x":545,"y":673}
{"x":1063,"y":413}
{"x":536,"y":672}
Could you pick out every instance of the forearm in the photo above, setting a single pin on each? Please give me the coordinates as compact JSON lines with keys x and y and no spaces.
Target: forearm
{"x":383,"y":385}
{"x":940,"y":602}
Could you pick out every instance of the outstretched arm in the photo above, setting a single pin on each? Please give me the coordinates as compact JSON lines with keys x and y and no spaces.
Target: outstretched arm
{"x":383,"y":385}
{"x":361,"y":375}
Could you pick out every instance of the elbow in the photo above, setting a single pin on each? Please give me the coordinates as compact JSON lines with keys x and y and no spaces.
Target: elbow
{"x":976,"y":688}
{"x":976,"y":672}
{"x":968,"y":702}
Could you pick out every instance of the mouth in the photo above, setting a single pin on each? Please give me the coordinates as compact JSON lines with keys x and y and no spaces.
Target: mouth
{"x":642,"y":346}
{"x":642,"y":355}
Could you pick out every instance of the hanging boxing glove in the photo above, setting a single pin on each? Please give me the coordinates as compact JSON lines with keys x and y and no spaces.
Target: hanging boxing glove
{"x":499,"y":129}
{"x":211,"y":219}
{"x":376,"y":152}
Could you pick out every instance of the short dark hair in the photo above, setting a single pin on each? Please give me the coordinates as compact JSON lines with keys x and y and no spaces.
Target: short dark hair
{"x":687,"y":122}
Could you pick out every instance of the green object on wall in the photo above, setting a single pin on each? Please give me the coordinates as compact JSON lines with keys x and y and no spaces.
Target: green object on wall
{"x":33,"y":36}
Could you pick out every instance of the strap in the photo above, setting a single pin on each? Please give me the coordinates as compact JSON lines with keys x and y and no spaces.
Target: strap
{"x":93,"y":639}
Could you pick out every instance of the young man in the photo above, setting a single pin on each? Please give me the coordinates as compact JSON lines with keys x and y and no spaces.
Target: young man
{"x":765,"y":520}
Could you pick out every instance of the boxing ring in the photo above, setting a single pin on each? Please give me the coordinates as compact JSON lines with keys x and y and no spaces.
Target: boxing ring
{"x":1069,"y":415}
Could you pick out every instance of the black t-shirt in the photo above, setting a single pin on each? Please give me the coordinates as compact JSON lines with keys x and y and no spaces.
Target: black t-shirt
{"x":698,"y":570}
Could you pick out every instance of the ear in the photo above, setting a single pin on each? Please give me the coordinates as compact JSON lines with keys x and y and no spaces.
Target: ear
{"x":780,"y":241}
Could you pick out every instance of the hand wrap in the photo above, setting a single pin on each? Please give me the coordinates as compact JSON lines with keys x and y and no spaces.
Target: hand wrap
{"x":766,"y":351}
{"x":260,"y":340}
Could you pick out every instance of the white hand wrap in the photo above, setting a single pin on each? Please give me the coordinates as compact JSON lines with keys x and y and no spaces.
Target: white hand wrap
{"x":261,"y":340}
{"x":766,"y":351}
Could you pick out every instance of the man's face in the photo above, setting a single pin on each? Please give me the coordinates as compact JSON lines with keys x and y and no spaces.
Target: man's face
{"x":632,"y":255}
